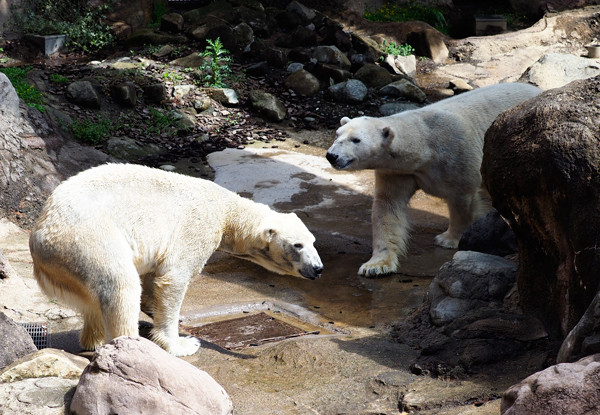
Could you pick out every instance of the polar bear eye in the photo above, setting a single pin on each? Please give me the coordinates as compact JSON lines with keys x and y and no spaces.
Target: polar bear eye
{"x":298,"y":246}
{"x":355,"y":140}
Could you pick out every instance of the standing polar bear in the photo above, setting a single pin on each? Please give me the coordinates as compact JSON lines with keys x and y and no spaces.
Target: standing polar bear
{"x":117,"y":235}
{"x":437,"y":148}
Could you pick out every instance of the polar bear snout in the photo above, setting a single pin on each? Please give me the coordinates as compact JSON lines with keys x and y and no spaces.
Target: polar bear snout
{"x":331,"y":158}
{"x":312,"y":272}
{"x":336,"y":161}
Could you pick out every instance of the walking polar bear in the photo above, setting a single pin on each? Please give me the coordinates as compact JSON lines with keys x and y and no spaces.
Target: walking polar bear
{"x":118,"y":234}
{"x":437,"y":148}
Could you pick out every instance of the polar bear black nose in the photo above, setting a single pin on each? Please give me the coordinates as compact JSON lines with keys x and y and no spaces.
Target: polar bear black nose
{"x":318,"y":270}
{"x":331,"y":157}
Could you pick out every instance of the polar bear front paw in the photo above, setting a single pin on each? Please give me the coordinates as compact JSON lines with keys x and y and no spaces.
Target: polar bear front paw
{"x":377,"y":267}
{"x":185,"y":346}
{"x":445,"y":240}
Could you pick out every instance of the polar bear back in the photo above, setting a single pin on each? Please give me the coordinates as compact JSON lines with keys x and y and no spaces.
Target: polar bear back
{"x":471,"y":113}
{"x":147,"y":213}
{"x":126,"y":194}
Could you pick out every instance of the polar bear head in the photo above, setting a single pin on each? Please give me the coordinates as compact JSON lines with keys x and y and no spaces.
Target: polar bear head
{"x":283,"y":244}
{"x":360,"y":143}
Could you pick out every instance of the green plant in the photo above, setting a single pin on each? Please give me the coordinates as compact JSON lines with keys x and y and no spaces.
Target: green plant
{"x":172,"y":76}
{"x":17,"y":76}
{"x":217,"y":68}
{"x":152,"y":49}
{"x":4,"y":59}
{"x":159,"y":9}
{"x":79,"y":20}
{"x":392,"y":48}
{"x":161,"y":122}
{"x":411,"y":11}
{"x":58,"y":78}
{"x":90,"y":131}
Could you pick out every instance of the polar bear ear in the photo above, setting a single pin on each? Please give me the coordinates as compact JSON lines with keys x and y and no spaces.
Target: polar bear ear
{"x":388,"y":134}
{"x":269,"y":234}
{"x":344,"y":120}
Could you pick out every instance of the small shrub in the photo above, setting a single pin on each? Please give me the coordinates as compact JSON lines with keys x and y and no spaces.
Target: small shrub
{"x":90,"y":33}
{"x":411,"y":11}
{"x":152,"y":48}
{"x":58,"y":78}
{"x":90,"y":131}
{"x":32,"y":96}
{"x":217,"y":68}
{"x":159,"y":9}
{"x":83,"y":24}
{"x":392,"y":48}
{"x":3,"y":59}
{"x":172,"y":76}
{"x":161,"y":122}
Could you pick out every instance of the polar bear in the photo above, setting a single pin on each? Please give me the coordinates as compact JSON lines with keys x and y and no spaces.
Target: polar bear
{"x":437,"y":148}
{"x":120,"y":234}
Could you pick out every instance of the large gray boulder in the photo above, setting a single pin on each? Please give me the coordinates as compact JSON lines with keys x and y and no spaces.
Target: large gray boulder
{"x":471,"y":280}
{"x":405,"y":89}
{"x":489,"y":234}
{"x":373,"y":76}
{"x":125,"y":94}
{"x":555,"y":70}
{"x":566,"y":388}
{"x":303,"y":83}
{"x":305,"y":14}
{"x":15,"y":342}
{"x":332,"y":55}
{"x":8,"y":98}
{"x":84,"y":94}
{"x":135,"y":376}
{"x":541,"y":166}
{"x":351,"y":91}
{"x":267,"y":105}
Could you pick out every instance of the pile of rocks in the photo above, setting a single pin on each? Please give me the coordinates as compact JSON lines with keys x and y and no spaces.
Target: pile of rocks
{"x":52,"y":381}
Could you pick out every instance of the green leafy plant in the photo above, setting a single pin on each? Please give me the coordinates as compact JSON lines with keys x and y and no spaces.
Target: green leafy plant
{"x":17,"y":76}
{"x":161,"y":122}
{"x":152,"y":48}
{"x":411,"y":11}
{"x":159,"y":9}
{"x":91,"y":131}
{"x":82,"y":23}
{"x":3,"y":59}
{"x":172,"y":76}
{"x":217,"y":68}
{"x":58,"y":78}
{"x":392,"y":48}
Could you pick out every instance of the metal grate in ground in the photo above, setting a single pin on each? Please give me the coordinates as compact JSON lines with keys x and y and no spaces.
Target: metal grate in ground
{"x":39,"y":334}
{"x":242,"y":332}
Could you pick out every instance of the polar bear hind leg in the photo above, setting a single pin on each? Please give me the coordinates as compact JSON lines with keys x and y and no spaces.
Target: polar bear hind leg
{"x":93,"y":334}
{"x":463,"y":209}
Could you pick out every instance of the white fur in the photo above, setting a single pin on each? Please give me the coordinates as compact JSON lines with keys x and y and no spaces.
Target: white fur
{"x":437,"y":148}
{"x":117,"y":235}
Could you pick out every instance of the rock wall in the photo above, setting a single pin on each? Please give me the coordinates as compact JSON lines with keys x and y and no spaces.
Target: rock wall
{"x":33,"y":158}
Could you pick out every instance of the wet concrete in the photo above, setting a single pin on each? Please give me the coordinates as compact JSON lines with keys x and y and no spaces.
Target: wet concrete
{"x":355,"y":367}
{"x":336,"y":207}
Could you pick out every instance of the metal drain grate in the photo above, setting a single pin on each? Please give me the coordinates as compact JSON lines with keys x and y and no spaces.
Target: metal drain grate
{"x":39,"y":334}
{"x":252,"y":330}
